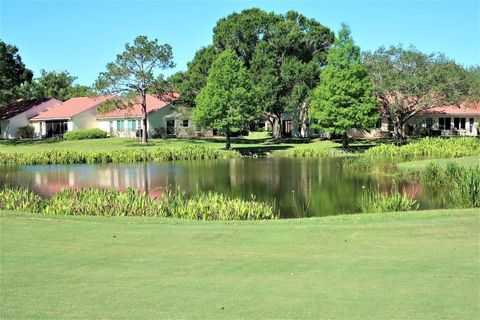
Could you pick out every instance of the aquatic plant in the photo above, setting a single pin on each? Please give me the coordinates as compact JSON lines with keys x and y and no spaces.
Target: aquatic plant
{"x":116,"y":156}
{"x":427,"y":147}
{"x":459,"y":186}
{"x":12,"y":198}
{"x":109,"y":202}
{"x":373,"y":201}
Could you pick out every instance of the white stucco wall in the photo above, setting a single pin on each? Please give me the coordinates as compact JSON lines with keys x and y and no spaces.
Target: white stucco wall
{"x":9,"y":127}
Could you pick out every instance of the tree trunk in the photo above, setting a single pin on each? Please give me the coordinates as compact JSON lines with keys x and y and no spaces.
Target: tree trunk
{"x":227,"y":139}
{"x":399,"y":133}
{"x":276,"y":128}
{"x":345,"y":140}
{"x":144,"y":119}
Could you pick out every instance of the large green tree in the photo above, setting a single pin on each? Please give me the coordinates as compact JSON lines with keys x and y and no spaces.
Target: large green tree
{"x":190,"y":82}
{"x":283,"y":55}
{"x":58,"y":85}
{"x":136,"y":71}
{"x":344,"y":98}
{"x":224,"y":103}
{"x":407,"y":82}
{"x":13,"y":73}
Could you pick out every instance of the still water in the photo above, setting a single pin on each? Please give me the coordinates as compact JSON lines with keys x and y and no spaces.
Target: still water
{"x":297,"y":187}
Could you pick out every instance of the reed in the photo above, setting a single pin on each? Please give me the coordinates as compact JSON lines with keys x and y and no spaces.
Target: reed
{"x":117,"y":156}
{"x":373,"y":201}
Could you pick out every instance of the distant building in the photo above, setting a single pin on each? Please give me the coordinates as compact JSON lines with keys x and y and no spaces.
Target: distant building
{"x":18,"y":114}
{"x":73,"y":114}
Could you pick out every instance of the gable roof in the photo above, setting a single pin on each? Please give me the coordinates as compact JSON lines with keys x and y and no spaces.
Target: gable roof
{"x":472,"y":108}
{"x":20,"y":106}
{"x":70,"y":108}
{"x":153,"y":104}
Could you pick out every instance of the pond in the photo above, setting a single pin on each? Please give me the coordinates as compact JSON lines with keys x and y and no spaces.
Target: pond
{"x":297,"y":187}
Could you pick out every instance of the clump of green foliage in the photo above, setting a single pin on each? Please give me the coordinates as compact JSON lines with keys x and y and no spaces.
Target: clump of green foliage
{"x":373,"y":201}
{"x":25,"y":132}
{"x":308,"y":153}
{"x":20,"y":199}
{"x":93,"y":133}
{"x":459,"y":186}
{"x":117,"y":156}
{"x":427,"y":147}
{"x":109,"y":202}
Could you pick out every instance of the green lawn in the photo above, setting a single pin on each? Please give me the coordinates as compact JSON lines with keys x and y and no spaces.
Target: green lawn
{"x":417,"y":265}
{"x":258,"y":142}
{"x":471,"y":161}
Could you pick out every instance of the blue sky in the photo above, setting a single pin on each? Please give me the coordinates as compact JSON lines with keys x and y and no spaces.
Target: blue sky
{"x":83,"y":36}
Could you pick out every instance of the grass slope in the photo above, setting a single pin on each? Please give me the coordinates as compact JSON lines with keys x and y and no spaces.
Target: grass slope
{"x":471,"y":161}
{"x":254,"y":142}
{"x":422,"y":265}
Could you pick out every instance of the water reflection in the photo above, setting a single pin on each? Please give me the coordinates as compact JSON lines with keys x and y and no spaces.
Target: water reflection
{"x":303,"y":187}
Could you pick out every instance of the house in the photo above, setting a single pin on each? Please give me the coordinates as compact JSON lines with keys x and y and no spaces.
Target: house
{"x":164,"y":118}
{"x":73,"y":114}
{"x":18,"y":114}
{"x":451,"y":120}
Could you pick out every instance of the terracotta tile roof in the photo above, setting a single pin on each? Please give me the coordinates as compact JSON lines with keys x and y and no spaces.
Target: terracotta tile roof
{"x":71,"y":107}
{"x":462,"y":109}
{"x":153,"y":104}
{"x":20,"y":106}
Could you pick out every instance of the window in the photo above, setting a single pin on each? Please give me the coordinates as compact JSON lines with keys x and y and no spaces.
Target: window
{"x":463,"y":122}
{"x":429,"y":123}
{"x":170,"y":126}
{"x":445,"y":123}
{"x":110,"y":125}
{"x":378,"y":125}
{"x":120,"y":125}
{"x":139,"y":124}
{"x":456,"y":123}
{"x":185,"y":123}
{"x":131,"y":124}
{"x":470,"y":125}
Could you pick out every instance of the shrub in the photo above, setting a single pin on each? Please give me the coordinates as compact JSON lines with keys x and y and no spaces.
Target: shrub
{"x":94,"y":133}
{"x":373,"y":201}
{"x":25,"y":132}
{"x":109,"y":202}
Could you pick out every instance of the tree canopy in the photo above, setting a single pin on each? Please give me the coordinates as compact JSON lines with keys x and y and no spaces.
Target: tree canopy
{"x":58,"y":85}
{"x":224,"y":103}
{"x":407,"y":82}
{"x":136,"y":71}
{"x":344,"y":98}
{"x":13,"y":73}
{"x":283,"y":55}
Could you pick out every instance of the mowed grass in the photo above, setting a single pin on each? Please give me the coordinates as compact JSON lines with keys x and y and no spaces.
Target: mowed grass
{"x":256,"y":142}
{"x":416,"y":265}
{"x":471,"y":161}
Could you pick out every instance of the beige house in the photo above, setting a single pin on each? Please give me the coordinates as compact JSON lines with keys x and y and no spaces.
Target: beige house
{"x":164,"y":118}
{"x":19,"y":113}
{"x":73,"y":114}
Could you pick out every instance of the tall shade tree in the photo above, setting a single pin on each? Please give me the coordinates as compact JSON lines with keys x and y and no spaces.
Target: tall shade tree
{"x":13,"y":73}
{"x":283,"y":55}
{"x":344,"y":98}
{"x":224,"y":103}
{"x":190,"y":82}
{"x":407,"y":82}
{"x":135,"y":71}
{"x":58,"y":85}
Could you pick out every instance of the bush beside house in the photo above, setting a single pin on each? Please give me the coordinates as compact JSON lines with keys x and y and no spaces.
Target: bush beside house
{"x":85,"y":134}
